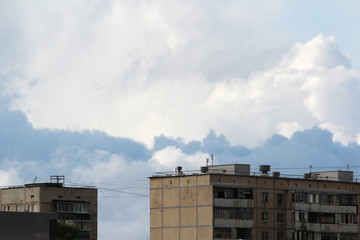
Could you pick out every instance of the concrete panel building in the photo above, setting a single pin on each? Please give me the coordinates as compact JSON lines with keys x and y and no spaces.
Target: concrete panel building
{"x":227,"y":202}
{"x":72,"y":205}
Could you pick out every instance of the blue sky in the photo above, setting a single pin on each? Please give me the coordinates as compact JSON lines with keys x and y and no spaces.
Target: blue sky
{"x":109,"y":92}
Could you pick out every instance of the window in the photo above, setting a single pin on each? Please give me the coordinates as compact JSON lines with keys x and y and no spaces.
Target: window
{"x":265,"y":216}
{"x":280,"y":218}
{"x":243,"y":233}
{"x":264,"y":236}
{"x":18,"y":208}
{"x":314,"y":217}
{"x":280,"y":236}
{"x":222,"y":232}
{"x":233,"y":193}
{"x":347,"y":200}
{"x":299,"y":196}
{"x":280,"y":198}
{"x":329,"y":199}
{"x":301,"y":216}
{"x":233,"y":213}
{"x":348,"y":236}
{"x":328,"y":236}
{"x":348,"y":218}
{"x":300,"y":235}
{"x":83,"y":225}
{"x":311,"y":198}
{"x":6,"y":208}
{"x":76,"y":207}
{"x":265,"y":197}
{"x":32,"y":207}
{"x":328,"y":218}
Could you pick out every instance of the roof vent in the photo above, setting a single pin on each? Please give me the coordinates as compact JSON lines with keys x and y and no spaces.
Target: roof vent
{"x":276,"y":174}
{"x":178,"y":171}
{"x":264,"y":169}
{"x":307,"y":175}
{"x":204,"y":169}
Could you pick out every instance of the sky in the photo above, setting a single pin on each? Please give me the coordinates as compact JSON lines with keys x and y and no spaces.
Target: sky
{"x":109,"y":92}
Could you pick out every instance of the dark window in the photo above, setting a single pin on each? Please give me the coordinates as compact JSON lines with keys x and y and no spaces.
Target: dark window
{"x":328,"y":218}
{"x":280,"y":218}
{"x":280,"y":236}
{"x":265,"y":197}
{"x":243,"y":233}
{"x":233,"y":193}
{"x":313,"y":217}
{"x":347,"y":200}
{"x":301,"y":216}
{"x":280,"y":199}
{"x":348,"y":218}
{"x":348,"y":236}
{"x":329,"y":199}
{"x":222,"y":232}
{"x":328,"y":236}
{"x":265,"y":216}
{"x":299,"y":197}
{"x":325,"y":218}
{"x":264,"y":236}
{"x":233,"y":213}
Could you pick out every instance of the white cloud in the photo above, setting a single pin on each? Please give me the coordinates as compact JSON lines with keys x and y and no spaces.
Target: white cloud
{"x":287,"y":129}
{"x":171,"y":156}
{"x":9,"y":177}
{"x":311,"y":85}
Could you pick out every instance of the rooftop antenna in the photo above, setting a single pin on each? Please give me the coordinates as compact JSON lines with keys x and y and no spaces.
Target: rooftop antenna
{"x":57,"y":179}
{"x":35,"y":178}
{"x":347,"y":167}
{"x":212,"y":160}
{"x":310,"y":168}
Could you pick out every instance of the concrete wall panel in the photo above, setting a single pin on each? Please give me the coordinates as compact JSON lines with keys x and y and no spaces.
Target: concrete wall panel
{"x":171,"y":217}
{"x":188,"y":196}
{"x":203,"y":180}
{"x":205,"y":195}
{"x":205,"y":233}
{"x":156,"y":183}
{"x":205,"y":216}
{"x":155,"y":234}
{"x":188,"y":181}
{"x":155,"y":198}
{"x":171,"y":234}
{"x":155,"y":218}
{"x":188,"y":216}
{"x":171,"y":197}
{"x":188,"y":233}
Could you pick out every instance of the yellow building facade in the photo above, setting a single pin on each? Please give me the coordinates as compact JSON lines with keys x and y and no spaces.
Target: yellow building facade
{"x":227,"y":202}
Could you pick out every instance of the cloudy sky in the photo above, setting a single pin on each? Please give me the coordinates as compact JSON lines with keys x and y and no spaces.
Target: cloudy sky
{"x":110,"y":92}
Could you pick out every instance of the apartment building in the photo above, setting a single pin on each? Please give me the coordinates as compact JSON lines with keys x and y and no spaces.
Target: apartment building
{"x":73,"y":205}
{"x":229,"y":202}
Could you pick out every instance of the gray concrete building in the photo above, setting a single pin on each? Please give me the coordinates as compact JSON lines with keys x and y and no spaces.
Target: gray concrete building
{"x":72,"y":205}
{"x":230,"y":202}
